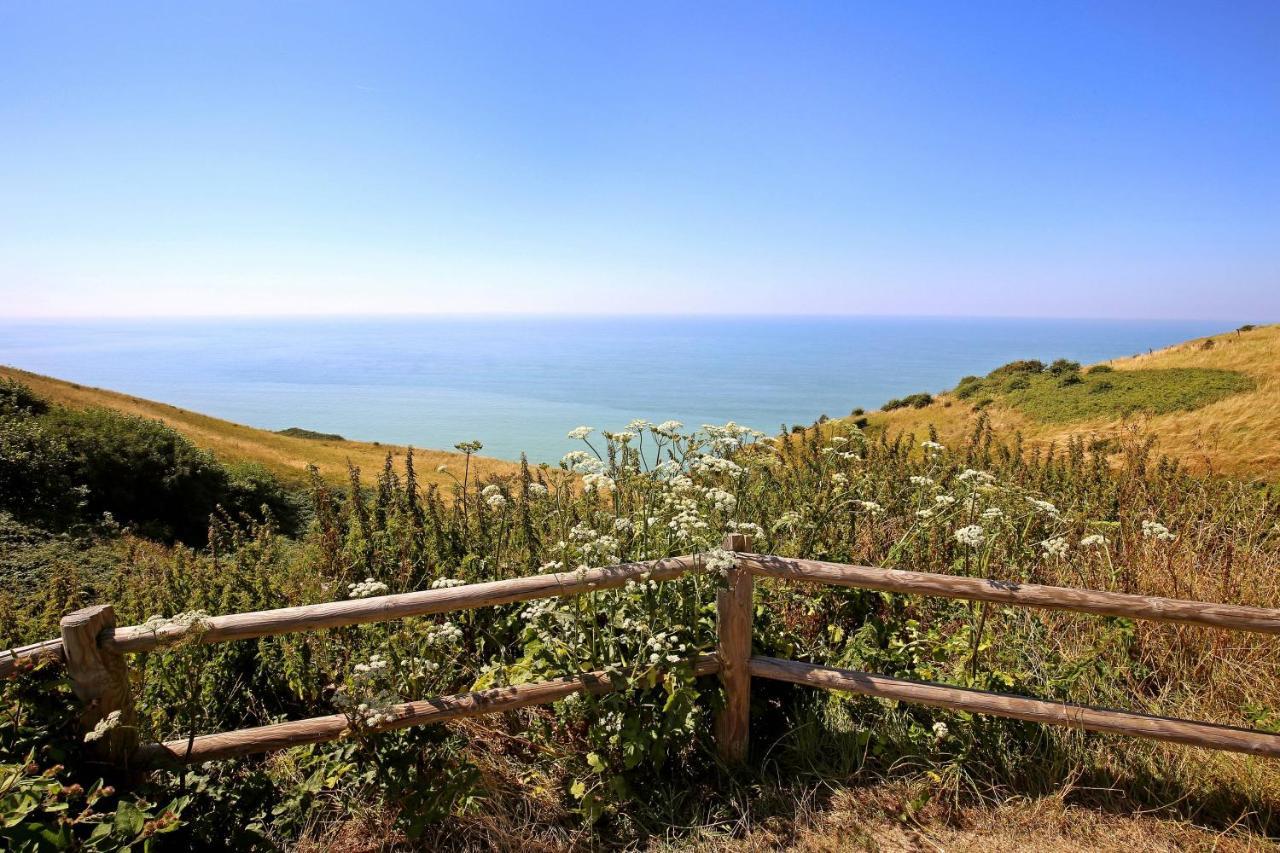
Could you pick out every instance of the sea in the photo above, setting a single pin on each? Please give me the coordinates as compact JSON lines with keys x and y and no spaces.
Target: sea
{"x":519,"y":384}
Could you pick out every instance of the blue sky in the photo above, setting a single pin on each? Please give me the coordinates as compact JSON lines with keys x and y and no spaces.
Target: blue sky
{"x":1025,"y":159}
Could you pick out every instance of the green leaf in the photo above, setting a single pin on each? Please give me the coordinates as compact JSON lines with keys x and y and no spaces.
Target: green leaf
{"x":129,"y":820}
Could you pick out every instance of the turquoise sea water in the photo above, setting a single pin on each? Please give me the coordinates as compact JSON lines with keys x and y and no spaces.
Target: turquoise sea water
{"x":518,"y":384}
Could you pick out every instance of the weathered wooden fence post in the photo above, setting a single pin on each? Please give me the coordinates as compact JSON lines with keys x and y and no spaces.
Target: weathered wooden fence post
{"x":733,"y":629}
{"x":100,"y":679}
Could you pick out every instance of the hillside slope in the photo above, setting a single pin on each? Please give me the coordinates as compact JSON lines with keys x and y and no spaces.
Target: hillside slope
{"x":1238,"y":434}
{"x":286,"y":456}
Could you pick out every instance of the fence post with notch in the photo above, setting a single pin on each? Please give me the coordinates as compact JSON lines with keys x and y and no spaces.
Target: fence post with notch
{"x":100,"y":679}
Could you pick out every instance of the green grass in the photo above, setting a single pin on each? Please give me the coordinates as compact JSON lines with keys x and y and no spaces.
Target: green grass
{"x":1072,"y":396}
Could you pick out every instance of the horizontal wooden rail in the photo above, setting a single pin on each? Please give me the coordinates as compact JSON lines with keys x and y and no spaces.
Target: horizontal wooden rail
{"x":319,"y":729}
{"x":1231,"y":616}
{"x":356,"y":611}
{"x":11,"y":659}
{"x":1033,"y":710}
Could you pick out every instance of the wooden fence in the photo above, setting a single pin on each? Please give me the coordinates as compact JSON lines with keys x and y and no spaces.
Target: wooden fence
{"x":93,"y":650}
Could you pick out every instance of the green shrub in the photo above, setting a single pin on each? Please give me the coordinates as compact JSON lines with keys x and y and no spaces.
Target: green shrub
{"x":1063,"y":366}
{"x":1021,"y":366}
{"x":61,"y":466}
{"x":1100,"y":368}
{"x":915,"y":401}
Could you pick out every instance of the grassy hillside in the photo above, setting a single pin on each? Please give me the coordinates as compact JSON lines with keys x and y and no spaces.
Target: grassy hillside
{"x":286,"y":455}
{"x":1213,"y":403}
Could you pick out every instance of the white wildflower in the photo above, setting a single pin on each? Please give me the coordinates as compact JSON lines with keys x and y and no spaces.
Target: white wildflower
{"x":537,"y":490}
{"x":971,"y":536}
{"x":100,"y":729}
{"x":1156,"y":530}
{"x":446,"y":583}
{"x":366,"y":588}
{"x":581,"y":432}
{"x":1043,"y":506}
{"x":991,"y":513}
{"x":1056,"y":546}
{"x":1094,"y":540}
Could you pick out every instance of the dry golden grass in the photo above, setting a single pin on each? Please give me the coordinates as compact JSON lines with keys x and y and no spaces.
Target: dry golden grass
{"x":285,"y":456}
{"x":1238,"y":435}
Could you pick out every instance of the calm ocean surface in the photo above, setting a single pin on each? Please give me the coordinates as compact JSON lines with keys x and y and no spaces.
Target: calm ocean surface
{"x":520,"y":384}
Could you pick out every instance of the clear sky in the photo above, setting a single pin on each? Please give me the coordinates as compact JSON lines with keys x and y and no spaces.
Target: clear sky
{"x":1024,"y":158}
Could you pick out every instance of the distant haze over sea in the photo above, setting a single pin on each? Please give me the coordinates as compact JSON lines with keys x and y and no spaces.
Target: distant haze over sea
{"x":519,"y":384}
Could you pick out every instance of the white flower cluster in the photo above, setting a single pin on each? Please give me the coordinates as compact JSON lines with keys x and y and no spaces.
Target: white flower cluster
{"x":919,"y":480}
{"x":100,"y":729}
{"x":1056,"y":546}
{"x":932,"y":447}
{"x":1156,"y":530}
{"x":444,"y":634}
{"x":537,"y":490}
{"x":944,"y":501}
{"x":729,"y":437}
{"x":1043,"y":506}
{"x":748,"y":527}
{"x":597,"y":482}
{"x":721,"y":500}
{"x":366,"y":588}
{"x":992,"y":513}
{"x":969,"y":474}
{"x":579,"y":433}
{"x":669,"y":428}
{"x":870,"y":507}
{"x":493,"y":497}
{"x":446,"y":583}
{"x":971,"y":536}
{"x":663,"y":646}
{"x":367,"y":671}
{"x":718,"y":560}
{"x":186,"y":625}
{"x":715,"y":465}
{"x":378,"y":711}
{"x":1094,"y":540}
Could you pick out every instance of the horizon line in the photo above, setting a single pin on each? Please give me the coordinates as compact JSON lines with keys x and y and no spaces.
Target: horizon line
{"x":691,"y":315}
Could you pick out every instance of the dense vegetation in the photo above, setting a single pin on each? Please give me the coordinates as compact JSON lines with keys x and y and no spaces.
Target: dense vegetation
{"x":62,"y":468}
{"x":1062,"y":393}
{"x":638,"y":766}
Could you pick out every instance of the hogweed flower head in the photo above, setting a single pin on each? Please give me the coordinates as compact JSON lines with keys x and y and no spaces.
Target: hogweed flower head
{"x":971,"y":536}
{"x":1056,"y":546}
{"x":366,"y":588}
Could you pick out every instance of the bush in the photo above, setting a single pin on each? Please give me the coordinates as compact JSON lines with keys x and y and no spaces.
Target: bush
{"x":1063,"y":366}
{"x":1020,"y":366}
{"x":1100,"y":368}
{"x":1070,"y":379}
{"x":62,"y":466}
{"x":915,"y":401}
